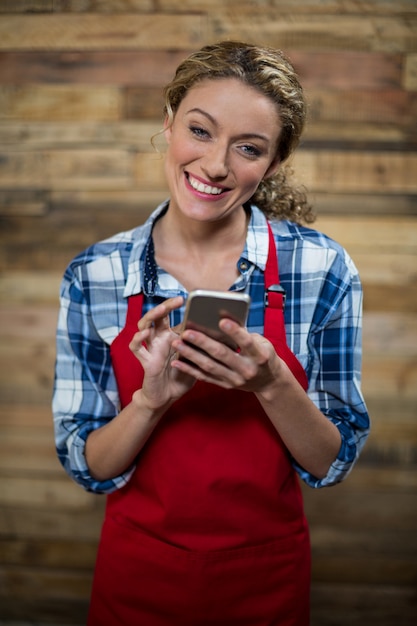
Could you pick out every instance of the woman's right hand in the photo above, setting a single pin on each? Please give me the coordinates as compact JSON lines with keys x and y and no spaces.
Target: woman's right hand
{"x":152,"y":345}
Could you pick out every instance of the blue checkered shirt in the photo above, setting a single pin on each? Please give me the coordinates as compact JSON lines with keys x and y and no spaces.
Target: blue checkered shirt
{"x":322,"y":317}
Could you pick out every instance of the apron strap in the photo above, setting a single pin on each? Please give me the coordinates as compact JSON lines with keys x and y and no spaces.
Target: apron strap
{"x":127,"y":369}
{"x":274,"y":324}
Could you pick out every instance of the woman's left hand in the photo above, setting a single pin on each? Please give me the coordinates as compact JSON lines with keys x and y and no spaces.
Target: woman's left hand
{"x":254,"y":367}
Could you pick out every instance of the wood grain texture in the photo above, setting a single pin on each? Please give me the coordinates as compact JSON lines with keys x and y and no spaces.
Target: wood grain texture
{"x":147,"y":68}
{"x":80,"y":99}
{"x":98,"y":31}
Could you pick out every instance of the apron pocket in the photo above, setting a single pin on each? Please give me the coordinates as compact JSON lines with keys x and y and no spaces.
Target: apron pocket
{"x":141,"y":580}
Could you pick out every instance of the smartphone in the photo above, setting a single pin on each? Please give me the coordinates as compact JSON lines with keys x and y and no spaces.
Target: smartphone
{"x":205,"y":309}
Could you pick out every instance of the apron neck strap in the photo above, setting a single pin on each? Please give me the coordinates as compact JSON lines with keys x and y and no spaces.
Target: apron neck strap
{"x":274,"y":324}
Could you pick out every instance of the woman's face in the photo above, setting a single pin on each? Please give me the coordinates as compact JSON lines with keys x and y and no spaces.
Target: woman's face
{"x":221,"y":144}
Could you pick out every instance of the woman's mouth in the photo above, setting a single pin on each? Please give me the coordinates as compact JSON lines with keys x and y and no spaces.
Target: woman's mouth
{"x":197,"y":185}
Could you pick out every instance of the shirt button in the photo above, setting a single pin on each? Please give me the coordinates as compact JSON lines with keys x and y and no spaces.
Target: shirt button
{"x":244,"y":266}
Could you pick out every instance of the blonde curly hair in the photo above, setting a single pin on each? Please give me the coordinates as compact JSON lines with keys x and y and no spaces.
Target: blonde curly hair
{"x":271,"y":73}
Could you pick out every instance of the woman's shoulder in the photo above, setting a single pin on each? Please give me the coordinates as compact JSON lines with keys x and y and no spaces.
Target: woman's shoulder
{"x":100,"y":253}
{"x":121,"y":245}
{"x":316,"y":247}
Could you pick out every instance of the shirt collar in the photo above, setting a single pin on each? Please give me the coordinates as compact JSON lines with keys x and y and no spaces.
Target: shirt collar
{"x":142,"y":268}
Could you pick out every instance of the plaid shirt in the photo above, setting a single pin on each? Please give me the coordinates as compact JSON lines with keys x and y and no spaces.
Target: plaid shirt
{"x":322,"y":318}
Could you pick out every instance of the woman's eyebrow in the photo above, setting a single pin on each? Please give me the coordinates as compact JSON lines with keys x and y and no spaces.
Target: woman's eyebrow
{"x":213,"y":121}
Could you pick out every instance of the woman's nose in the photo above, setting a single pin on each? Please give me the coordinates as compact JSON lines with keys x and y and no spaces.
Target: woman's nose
{"x":215,"y":163}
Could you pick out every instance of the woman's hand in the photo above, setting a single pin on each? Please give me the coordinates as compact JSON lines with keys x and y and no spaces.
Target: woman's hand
{"x":253,"y":368}
{"x":312,"y":439}
{"x":153,"y":346}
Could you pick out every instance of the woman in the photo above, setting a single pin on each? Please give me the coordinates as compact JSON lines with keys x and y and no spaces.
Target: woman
{"x":199,"y":446}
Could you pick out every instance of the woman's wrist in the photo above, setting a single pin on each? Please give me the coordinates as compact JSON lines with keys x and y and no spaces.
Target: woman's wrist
{"x":148,"y":410}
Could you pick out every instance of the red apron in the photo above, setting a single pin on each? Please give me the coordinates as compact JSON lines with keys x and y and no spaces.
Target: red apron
{"x":210,"y":529}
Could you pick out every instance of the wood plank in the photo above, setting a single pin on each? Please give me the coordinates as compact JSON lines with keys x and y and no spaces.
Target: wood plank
{"x":28,"y":323}
{"x":26,"y":370}
{"x":389,"y":376}
{"x":338,"y":69}
{"x":315,"y":31}
{"x":23,"y":610}
{"x":344,"y":7}
{"x":144,"y":68}
{"x":410,"y":72}
{"x":21,"y":582}
{"x":53,"y":521}
{"x":142,"y":203}
{"x":362,"y":569}
{"x":389,"y":449}
{"x":375,"y":107}
{"x":22,"y":416}
{"x":30,"y":287}
{"x":99,"y":31}
{"x":346,"y":70}
{"x":336,"y":604}
{"x":391,"y":410}
{"x":361,"y":509}
{"x":61,"y":554}
{"x":65,"y":169}
{"x":81,"y":134}
{"x":143,"y":103}
{"x":348,"y":135}
{"x":74,"y":6}
{"x":72,"y":229}
{"x":23,"y":202}
{"x":30,"y":451}
{"x":43,"y":491}
{"x":23,"y":6}
{"x":364,"y":204}
{"x":149,"y":172}
{"x":327,"y":540}
{"x":389,"y":233}
{"x":391,"y":334}
{"x":356,"y":171}
{"x":380,"y":480}
{"x":400,"y":298}
{"x":60,"y":103}
{"x":387,"y":269}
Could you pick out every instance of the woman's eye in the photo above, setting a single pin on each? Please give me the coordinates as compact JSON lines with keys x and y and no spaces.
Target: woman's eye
{"x":251,"y":151}
{"x":199,"y":132}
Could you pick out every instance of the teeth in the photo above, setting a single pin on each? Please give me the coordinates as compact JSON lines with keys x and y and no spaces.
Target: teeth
{"x":195,"y":184}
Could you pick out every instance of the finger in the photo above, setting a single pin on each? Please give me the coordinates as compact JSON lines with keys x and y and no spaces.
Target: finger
{"x":160,"y":312}
{"x":138,"y":341}
{"x":250,"y":344}
{"x":208,"y":360}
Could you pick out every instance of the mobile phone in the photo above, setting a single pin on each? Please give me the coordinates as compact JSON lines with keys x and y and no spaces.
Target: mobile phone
{"x":205,"y":308}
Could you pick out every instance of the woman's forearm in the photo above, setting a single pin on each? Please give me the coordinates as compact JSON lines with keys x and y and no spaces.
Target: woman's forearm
{"x":310,"y":437}
{"x":111,"y":449}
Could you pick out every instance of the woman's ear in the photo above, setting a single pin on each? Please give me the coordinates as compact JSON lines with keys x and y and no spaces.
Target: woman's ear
{"x":167,"y":129}
{"x":273,"y":168}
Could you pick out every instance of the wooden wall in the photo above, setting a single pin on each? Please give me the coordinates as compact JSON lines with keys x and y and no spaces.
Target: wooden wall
{"x":80,"y":96}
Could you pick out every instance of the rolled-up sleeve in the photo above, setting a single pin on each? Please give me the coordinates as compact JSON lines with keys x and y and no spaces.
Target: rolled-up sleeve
{"x":85,"y":394}
{"x":335,"y":348}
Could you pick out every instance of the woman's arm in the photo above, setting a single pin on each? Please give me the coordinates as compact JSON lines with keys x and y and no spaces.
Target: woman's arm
{"x":95,"y":443}
{"x":114,"y":447}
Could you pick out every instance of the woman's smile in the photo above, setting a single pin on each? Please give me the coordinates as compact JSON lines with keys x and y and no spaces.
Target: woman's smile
{"x":204,"y":188}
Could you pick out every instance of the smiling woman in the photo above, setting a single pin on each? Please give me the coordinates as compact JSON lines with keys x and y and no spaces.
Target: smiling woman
{"x":199,"y":444}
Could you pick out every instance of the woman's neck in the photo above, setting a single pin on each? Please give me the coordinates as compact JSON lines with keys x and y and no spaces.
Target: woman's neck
{"x":200,"y":254}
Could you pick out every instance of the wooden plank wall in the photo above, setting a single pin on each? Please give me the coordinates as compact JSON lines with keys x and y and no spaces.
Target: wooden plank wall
{"x":80,"y":97}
